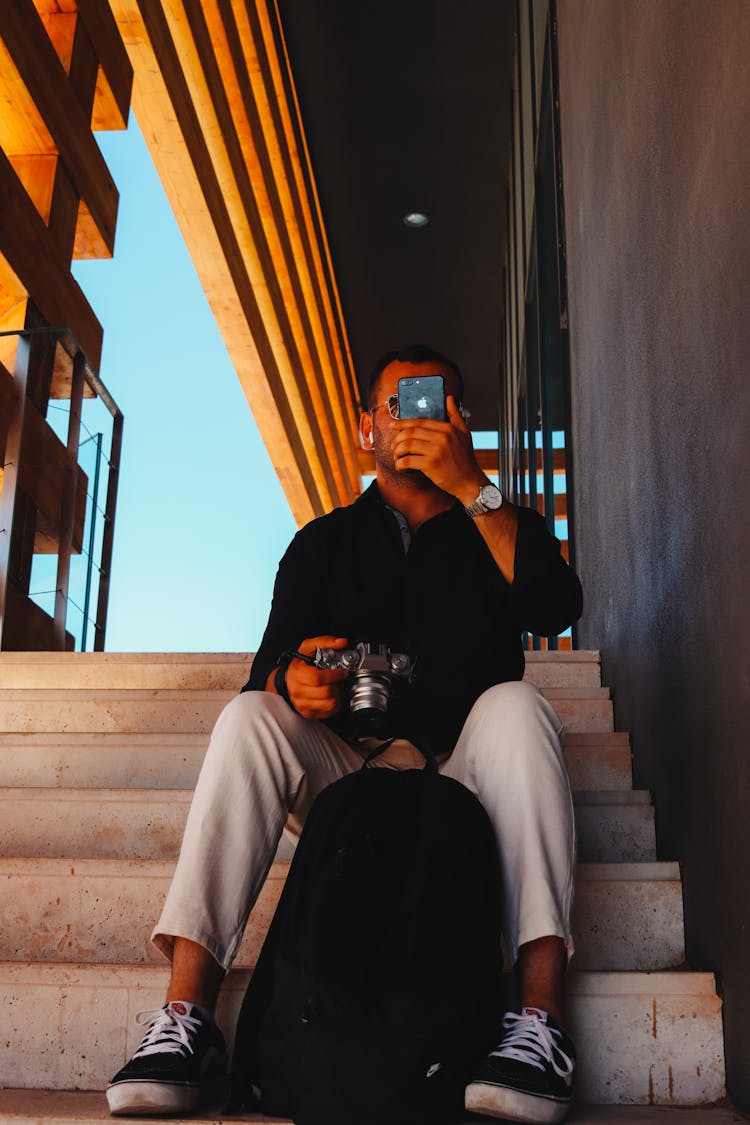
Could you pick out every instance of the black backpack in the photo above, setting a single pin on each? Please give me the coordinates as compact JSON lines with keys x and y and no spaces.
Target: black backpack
{"x":378,"y":986}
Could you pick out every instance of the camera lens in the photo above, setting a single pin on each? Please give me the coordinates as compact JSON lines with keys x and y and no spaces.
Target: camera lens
{"x":369,"y":695}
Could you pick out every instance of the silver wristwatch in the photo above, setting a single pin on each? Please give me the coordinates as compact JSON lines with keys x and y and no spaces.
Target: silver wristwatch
{"x":489,"y":500}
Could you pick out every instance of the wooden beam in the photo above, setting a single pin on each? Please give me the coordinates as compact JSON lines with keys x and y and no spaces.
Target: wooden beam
{"x":115,"y":82}
{"x":201,"y":97}
{"x":44,"y":272}
{"x":37,"y":174}
{"x":251,"y":204}
{"x":60,"y":27}
{"x":22,"y":127}
{"x":42,"y":74}
{"x":274,"y":101}
{"x":43,"y":481}
{"x":26,"y":626}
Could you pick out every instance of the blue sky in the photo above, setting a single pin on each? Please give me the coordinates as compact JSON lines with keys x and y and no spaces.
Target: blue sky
{"x":201,"y":518}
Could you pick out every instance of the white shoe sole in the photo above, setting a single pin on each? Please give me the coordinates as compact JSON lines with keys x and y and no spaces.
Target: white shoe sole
{"x":513,"y":1105}
{"x":140,"y":1099}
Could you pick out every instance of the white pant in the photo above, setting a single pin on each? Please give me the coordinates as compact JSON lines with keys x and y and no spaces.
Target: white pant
{"x":265,"y":765}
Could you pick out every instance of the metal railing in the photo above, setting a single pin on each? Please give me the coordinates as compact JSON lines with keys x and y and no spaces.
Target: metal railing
{"x":38,"y":555}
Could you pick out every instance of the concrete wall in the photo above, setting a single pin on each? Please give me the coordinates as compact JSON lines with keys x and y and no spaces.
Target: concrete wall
{"x":655,"y":118}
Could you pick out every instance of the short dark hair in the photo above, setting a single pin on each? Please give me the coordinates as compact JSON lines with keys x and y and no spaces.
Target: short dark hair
{"x":414,"y":353}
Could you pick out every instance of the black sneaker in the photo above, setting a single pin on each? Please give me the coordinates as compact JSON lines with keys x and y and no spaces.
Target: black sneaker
{"x":180,"y":1064}
{"x":529,"y":1075}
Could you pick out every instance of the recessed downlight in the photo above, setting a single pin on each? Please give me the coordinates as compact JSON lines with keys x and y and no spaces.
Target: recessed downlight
{"x":415,"y":219}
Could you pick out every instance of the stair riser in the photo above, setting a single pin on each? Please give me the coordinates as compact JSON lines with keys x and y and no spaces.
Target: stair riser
{"x":615,"y":833}
{"x":634,"y":1047}
{"x":621,"y":925}
{"x":169,"y":767}
{"x":674,"y":1054}
{"x":197,"y":716}
{"x":152,"y":828}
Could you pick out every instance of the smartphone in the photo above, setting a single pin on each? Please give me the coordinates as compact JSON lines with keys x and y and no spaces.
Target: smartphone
{"x":422,"y":397}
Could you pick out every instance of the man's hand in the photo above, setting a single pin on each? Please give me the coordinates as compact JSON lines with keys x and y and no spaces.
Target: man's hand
{"x":316,"y":693}
{"x":442,"y":451}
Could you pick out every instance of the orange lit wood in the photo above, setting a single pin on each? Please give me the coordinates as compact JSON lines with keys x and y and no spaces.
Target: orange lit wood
{"x":561,"y":505}
{"x":43,"y":272}
{"x":115,"y":81}
{"x":37,"y":174}
{"x":22,"y":127}
{"x":61,"y":29}
{"x":205,"y":97}
{"x":34,"y":61}
{"x":558,"y":460}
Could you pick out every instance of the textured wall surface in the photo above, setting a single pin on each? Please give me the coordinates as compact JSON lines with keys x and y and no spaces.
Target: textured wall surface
{"x":655,"y":116}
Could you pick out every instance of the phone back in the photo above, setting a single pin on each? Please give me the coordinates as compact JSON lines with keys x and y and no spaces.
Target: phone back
{"x":422,"y":397}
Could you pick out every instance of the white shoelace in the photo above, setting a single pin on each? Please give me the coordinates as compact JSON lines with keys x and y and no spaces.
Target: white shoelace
{"x":168,"y":1032}
{"x":532,"y":1042}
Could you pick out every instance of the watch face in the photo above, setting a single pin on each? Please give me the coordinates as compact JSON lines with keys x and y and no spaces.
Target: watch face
{"x":491,"y":496}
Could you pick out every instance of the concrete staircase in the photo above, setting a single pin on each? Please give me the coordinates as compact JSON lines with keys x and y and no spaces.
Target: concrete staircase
{"x":98,"y":756}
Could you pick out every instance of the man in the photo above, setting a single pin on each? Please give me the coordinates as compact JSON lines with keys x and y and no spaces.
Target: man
{"x":432,"y":560}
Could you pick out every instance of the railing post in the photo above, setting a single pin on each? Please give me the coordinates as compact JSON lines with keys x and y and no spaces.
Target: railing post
{"x":109,"y":532}
{"x":11,"y":471}
{"x":92,"y":543}
{"x":68,"y":506}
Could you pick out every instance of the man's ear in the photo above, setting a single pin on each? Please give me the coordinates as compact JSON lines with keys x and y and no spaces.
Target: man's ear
{"x":365,"y":430}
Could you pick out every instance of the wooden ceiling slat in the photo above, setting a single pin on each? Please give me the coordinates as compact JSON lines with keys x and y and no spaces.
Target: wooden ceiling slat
{"x":224,"y":167}
{"x":279,"y":212}
{"x":167,"y":117}
{"x":43,"y":75}
{"x":273,"y":103}
{"x":179,"y":63}
{"x":286,"y":102}
{"x":254,"y":198}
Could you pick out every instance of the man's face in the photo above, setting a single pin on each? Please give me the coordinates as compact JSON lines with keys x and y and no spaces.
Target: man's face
{"x":378,"y":427}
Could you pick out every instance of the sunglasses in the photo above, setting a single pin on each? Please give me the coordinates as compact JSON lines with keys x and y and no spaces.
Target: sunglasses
{"x":392,"y":403}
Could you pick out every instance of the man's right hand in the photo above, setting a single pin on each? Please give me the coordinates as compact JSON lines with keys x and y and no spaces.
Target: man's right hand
{"x":316,"y":693}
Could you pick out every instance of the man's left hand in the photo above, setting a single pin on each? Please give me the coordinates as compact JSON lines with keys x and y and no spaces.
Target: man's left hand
{"x":442,"y":451}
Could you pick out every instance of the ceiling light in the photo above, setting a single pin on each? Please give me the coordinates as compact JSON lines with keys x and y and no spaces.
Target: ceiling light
{"x":415,"y":219}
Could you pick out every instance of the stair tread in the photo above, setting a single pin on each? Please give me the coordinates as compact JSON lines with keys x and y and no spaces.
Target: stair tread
{"x":646,"y":871}
{"x":76,"y":694}
{"x":165,"y":795}
{"x":87,"y":1105}
{"x":562,"y":656}
{"x":581,"y":982}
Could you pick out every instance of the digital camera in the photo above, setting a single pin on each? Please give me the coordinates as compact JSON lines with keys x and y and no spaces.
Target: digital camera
{"x":372,"y":670}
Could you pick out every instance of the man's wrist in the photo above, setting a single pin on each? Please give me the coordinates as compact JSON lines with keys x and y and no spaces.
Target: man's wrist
{"x":489,"y":499}
{"x":469,"y":491}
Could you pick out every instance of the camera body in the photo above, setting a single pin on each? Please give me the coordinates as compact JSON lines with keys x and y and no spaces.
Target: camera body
{"x":372,"y":669}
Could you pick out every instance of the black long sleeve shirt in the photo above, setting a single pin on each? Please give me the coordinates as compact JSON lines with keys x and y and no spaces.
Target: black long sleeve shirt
{"x":444,"y":601}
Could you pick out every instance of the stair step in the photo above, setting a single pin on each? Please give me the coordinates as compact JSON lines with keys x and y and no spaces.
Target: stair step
{"x":222,"y":671}
{"x":642,"y":1037}
{"x":84,"y":1107}
{"x":148,"y":823}
{"x":615,"y":827}
{"x":164,"y":711}
{"x":626,"y":916}
{"x":110,"y":759}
